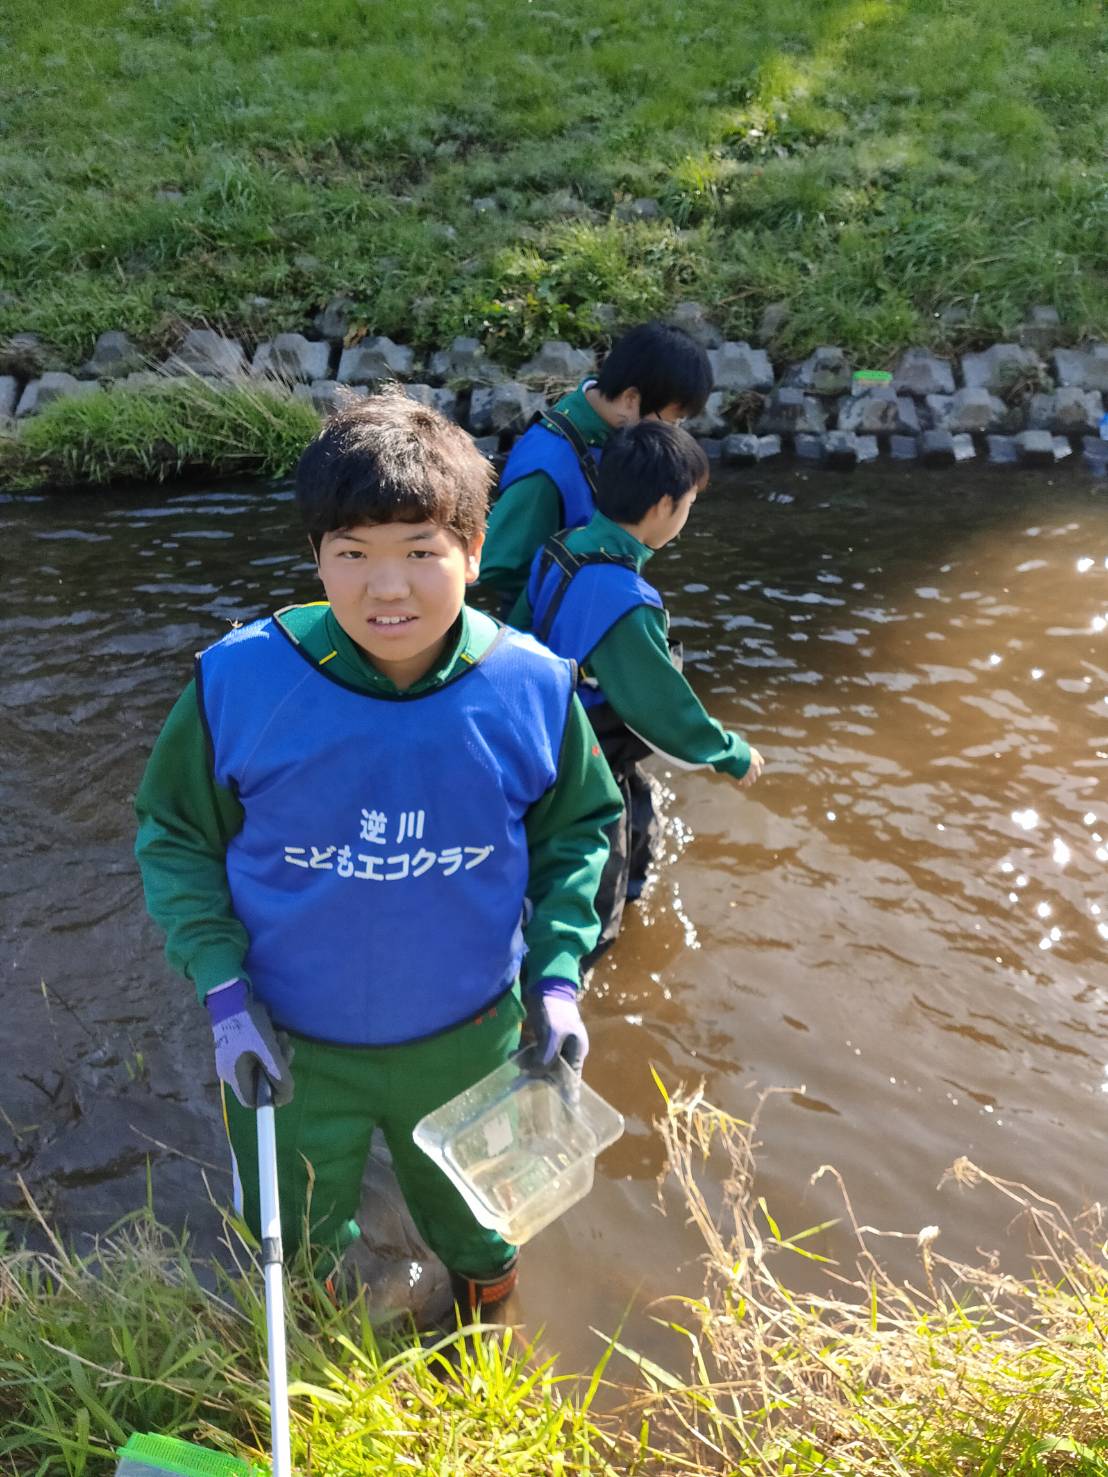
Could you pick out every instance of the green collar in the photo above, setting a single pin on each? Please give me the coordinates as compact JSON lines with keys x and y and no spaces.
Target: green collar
{"x":593,"y":427}
{"x":601,"y":536}
{"x":318,"y":634}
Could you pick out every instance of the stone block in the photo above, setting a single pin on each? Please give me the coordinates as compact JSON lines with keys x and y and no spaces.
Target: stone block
{"x":9,"y":393}
{"x":711,"y":446}
{"x":1086,"y":369}
{"x":1062,"y":448}
{"x":972,"y":410}
{"x":147,"y":380}
{"x":693,"y":319}
{"x":937,"y":448}
{"x":26,"y":356}
{"x":206,"y":352}
{"x":963,"y":447}
{"x":740,"y":450}
{"x":792,"y":412}
{"x":327,"y":395}
{"x":467,"y":361}
{"x":919,"y":372}
{"x":500,"y":408}
{"x":438,"y":398}
{"x":824,"y":372}
{"x":1035,"y":448}
{"x":333,"y":320}
{"x":1069,"y":411}
{"x":1041,"y":329}
{"x":1003,"y":450}
{"x":773,"y":320}
{"x":768,"y":447}
{"x":879,"y":412}
{"x":375,"y":360}
{"x":488,"y":446}
{"x":809,"y":448}
{"x":840,"y":449}
{"x":711,"y":421}
{"x":114,"y":356}
{"x":737,"y":367}
{"x":292,"y":357}
{"x":903,"y":448}
{"x":54,"y":385}
{"x":557,"y":360}
{"x":1000,"y":367}
{"x":867,"y":448}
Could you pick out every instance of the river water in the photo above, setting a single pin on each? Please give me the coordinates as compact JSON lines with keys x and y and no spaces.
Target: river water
{"x":903,"y":924}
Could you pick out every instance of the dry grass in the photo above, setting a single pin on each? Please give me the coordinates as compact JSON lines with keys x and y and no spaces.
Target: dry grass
{"x":964,"y":1369}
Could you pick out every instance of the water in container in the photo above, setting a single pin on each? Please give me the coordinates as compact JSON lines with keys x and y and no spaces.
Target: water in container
{"x":520,"y":1146}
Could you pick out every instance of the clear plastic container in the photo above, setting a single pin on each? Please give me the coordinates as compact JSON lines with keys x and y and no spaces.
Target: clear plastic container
{"x":520,"y":1148}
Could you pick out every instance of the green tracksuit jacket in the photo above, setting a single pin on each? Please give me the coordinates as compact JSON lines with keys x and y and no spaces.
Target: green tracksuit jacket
{"x":529,"y":512}
{"x":342,"y":1093}
{"x":633,"y":667}
{"x":186,"y":820}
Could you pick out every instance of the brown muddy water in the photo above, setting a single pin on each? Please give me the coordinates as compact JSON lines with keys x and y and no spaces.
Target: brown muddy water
{"x":903,"y":924}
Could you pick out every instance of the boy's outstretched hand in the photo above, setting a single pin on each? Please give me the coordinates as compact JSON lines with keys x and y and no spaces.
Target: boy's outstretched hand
{"x":753,"y":774}
{"x":244,"y":1041}
{"x":553,"y":1016}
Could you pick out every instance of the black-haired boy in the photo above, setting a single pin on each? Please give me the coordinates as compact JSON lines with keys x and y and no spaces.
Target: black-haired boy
{"x":587,"y":599}
{"x":654,"y":371}
{"x":358,"y":819}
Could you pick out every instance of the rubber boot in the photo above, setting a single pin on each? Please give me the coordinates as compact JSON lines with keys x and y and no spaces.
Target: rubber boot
{"x":484,"y":1299}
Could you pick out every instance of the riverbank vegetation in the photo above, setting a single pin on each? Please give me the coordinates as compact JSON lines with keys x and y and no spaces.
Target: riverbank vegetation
{"x":961,"y":1369}
{"x":458,"y":168}
{"x":183,"y":425}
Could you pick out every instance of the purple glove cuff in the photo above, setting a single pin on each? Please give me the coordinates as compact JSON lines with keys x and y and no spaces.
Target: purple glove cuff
{"x":225,"y":1001}
{"x":563,"y":989}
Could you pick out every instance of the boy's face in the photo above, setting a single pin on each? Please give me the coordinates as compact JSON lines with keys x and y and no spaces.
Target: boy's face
{"x":628,"y":411}
{"x":396,"y":589}
{"x":673,"y":414}
{"x":667,"y":518}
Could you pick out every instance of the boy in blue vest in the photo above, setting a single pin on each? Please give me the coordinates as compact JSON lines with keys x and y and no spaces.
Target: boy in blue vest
{"x":587,"y":600}
{"x":548,"y":483}
{"x":359,"y":818}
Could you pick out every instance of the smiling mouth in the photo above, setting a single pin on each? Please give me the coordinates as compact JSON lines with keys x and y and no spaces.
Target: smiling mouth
{"x":390,"y":621}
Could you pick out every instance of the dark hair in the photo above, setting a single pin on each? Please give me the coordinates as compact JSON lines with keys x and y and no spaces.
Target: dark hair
{"x":389,"y":459}
{"x":644,"y":463}
{"x":663,"y":363}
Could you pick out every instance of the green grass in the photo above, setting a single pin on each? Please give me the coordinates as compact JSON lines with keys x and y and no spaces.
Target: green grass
{"x":189,"y":424}
{"x":868,"y":161}
{"x":127,"y":1339}
{"x":956,"y":1371}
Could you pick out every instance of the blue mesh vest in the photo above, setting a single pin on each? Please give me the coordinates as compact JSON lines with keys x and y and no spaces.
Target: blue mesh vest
{"x":382,"y":865}
{"x":541,"y":449}
{"x":575,"y":601}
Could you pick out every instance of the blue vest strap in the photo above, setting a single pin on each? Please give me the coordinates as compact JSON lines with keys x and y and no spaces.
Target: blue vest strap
{"x":556,"y":552}
{"x":544,"y":448}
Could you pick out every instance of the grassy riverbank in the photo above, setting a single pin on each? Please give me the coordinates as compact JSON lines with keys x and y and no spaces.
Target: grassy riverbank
{"x":869,"y":162}
{"x":186,"y":425}
{"x":960,"y":1369}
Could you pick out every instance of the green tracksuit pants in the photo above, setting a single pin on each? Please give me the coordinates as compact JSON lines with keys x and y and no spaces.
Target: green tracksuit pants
{"x":342,"y":1093}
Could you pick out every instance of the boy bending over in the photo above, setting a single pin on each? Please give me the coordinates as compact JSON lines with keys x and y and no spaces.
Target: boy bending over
{"x":587,"y":600}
